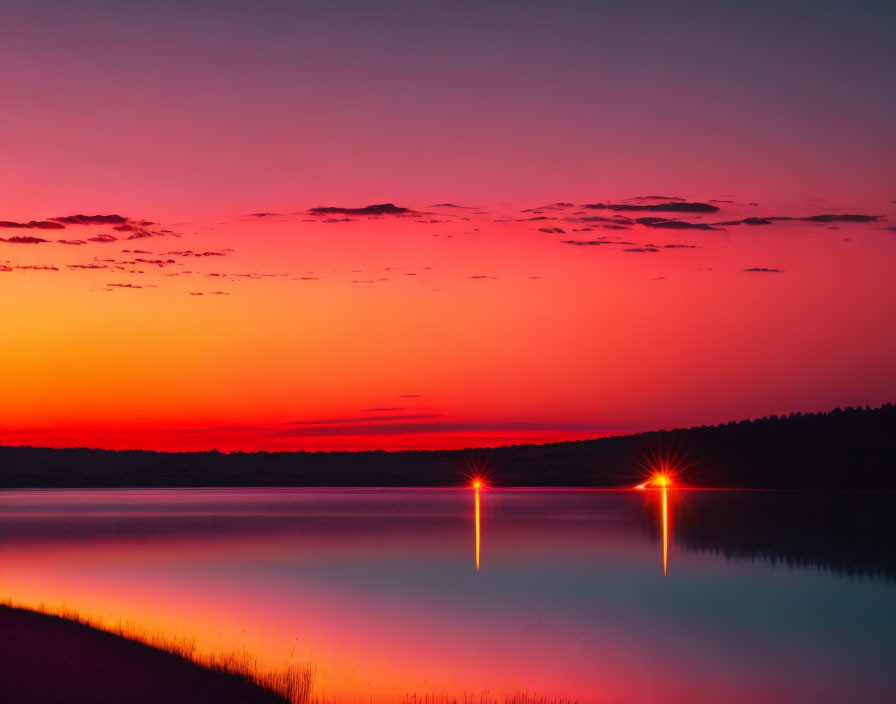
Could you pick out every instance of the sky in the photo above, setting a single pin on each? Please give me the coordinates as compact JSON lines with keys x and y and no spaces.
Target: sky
{"x":491,"y":304}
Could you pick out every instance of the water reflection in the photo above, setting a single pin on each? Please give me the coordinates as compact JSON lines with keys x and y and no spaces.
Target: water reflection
{"x":477,"y":485}
{"x":665,"y":529}
{"x":661,"y":481}
{"x":374,"y":587}
{"x":656,"y":502}
{"x":846,"y":533}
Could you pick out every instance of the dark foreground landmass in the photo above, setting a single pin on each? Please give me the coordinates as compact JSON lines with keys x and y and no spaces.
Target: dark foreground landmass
{"x":49,"y":660}
{"x":852,"y":448}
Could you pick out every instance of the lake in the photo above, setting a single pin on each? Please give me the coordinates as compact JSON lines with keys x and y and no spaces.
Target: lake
{"x":591,"y":595}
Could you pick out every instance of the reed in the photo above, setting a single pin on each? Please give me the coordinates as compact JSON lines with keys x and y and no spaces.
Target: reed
{"x":295,"y":683}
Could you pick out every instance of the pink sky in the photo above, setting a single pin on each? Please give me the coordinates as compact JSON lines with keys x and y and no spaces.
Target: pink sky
{"x":193,"y":120}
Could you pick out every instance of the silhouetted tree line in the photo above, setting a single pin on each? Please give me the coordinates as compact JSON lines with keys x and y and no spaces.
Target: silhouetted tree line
{"x":851,"y":448}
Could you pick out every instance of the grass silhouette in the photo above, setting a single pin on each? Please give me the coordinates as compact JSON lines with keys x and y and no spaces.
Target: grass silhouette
{"x":293,"y":682}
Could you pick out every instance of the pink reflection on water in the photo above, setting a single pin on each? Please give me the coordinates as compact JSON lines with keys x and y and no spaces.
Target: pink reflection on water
{"x":375,"y":588}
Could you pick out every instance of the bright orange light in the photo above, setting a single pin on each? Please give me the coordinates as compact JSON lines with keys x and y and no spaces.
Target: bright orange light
{"x":477,"y":483}
{"x":659,"y":480}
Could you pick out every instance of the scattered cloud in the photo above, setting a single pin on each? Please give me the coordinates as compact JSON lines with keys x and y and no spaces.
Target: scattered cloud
{"x":24,"y":240}
{"x":674,"y":224}
{"x":674,"y":207}
{"x":362,"y":419}
{"x":33,"y":224}
{"x":763,"y":269}
{"x":746,"y":221}
{"x":92,"y":220}
{"x":381,"y":209}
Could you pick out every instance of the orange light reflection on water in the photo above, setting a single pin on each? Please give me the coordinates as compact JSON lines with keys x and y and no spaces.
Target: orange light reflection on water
{"x":661,"y":480}
{"x":477,"y":485}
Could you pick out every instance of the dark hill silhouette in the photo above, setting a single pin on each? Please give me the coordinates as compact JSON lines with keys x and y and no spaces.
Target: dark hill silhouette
{"x":852,"y":448}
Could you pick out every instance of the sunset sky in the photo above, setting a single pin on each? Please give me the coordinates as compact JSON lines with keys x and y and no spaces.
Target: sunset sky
{"x":491,"y":304}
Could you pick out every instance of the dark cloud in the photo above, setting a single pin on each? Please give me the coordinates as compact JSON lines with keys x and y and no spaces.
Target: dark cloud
{"x":656,"y":198}
{"x":33,"y":224}
{"x":483,"y":276}
{"x":746,"y":221}
{"x":103,"y":238}
{"x":844,"y":218}
{"x":191,"y":253}
{"x":453,"y":205}
{"x":362,"y":419}
{"x":673,"y":207}
{"x":408,"y":395}
{"x":641,"y":249}
{"x":345,"y":427}
{"x":764,"y":269}
{"x":23,"y":240}
{"x":680,"y":246}
{"x":552,"y":206}
{"x":552,"y":230}
{"x":674,"y":224}
{"x":92,"y":220}
{"x":587,"y":243}
{"x":620,"y":220}
{"x":72,"y":241}
{"x":123,"y":286}
{"x":381,"y":209}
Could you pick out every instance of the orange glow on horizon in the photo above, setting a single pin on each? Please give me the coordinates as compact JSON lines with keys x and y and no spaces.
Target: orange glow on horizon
{"x":154,"y":367}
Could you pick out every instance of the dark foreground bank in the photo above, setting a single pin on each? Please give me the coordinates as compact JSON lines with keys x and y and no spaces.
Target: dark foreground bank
{"x":852,"y":448}
{"x":45,"y":660}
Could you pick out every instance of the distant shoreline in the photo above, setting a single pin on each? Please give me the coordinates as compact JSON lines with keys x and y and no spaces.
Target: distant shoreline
{"x":850,"y":448}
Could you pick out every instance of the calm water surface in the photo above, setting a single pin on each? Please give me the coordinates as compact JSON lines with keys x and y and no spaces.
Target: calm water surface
{"x":587,"y":595}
